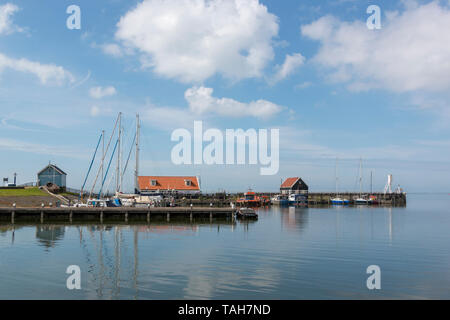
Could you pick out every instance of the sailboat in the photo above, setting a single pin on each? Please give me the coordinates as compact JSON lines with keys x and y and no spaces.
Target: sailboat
{"x":338,"y":200}
{"x":361,"y":200}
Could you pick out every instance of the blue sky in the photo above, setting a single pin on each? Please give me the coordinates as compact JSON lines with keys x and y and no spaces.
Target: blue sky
{"x":333,"y":87}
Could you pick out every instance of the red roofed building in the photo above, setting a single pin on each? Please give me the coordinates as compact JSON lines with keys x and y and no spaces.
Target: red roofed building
{"x":163,"y":184}
{"x":293,"y":185}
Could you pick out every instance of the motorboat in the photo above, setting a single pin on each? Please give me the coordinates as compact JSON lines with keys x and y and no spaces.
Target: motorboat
{"x":296,"y":199}
{"x":280,"y":200}
{"x":246,"y":213}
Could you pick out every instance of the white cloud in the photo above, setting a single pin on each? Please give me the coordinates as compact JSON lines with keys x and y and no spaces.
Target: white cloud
{"x":6,"y":24}
{"x":410,"y":52}
{"x":46,"y":73}
{"x":36,"y":148}
{"x":192,"y":40}
{"x":112,"y":49}
{"x":304,"y":85}
{"x":290,"y":65}
{"x":201,"y":101}
{"x":100,"y":92}
{"x":167,"y":118}
{"x":95,"y":111}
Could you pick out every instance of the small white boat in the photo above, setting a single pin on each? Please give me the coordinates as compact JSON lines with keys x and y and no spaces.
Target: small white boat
{"x":280,"y":200}
{"x":338,"y":200}
{"x":246,"y":213}
{"x":361,"y":201}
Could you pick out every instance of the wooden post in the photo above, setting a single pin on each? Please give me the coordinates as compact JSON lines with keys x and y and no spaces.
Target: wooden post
{"x":148,"y":217}
{"x":126,"y":216}
{"x":42,"y":216}
{"x":70,"y":216}
{"x":101,"y":217}
{"x":13,"y":213}
{"x":168,"y":217}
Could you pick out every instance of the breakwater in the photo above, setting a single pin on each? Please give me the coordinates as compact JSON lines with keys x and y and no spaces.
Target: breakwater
{"x":314,"y":198}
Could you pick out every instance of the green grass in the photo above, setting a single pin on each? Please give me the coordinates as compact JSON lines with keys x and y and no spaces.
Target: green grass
{"x":22,"y":192}
{"x":65,"y":194}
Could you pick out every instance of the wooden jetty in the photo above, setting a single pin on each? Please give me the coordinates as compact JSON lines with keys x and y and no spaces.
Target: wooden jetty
{"x":121,"y":213}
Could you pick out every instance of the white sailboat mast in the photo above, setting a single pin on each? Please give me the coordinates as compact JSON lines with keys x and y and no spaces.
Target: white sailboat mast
{"x":360,"y":177}
{"x":336,"y":177}
{"x":136,"y":169}
{"x":103,"y":153}
{"x":118,"y":174}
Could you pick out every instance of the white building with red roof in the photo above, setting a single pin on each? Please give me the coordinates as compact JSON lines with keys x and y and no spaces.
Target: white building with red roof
{"x":169,"y":184}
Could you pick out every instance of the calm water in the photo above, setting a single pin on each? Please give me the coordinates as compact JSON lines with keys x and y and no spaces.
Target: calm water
{"x":316,"y":253}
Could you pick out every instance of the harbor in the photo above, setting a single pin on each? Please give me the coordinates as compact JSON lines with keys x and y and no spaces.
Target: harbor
{"x":102,"y":193}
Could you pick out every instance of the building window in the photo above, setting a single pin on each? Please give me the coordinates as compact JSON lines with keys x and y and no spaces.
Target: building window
{"x":153,"y":183}
{"x":188,"y":182}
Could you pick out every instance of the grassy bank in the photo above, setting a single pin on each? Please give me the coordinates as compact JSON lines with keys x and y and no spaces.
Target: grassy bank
{"x":22,"y":192}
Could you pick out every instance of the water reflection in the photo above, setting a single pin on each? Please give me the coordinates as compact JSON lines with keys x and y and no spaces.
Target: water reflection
{"x":294,"y":218}
{"x":288,"y":253}
{"x":111,"y":254}
{"x":49,"y":236}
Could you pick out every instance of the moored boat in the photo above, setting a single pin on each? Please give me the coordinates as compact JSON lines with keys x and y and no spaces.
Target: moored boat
{"x":250,"y":199}
{"x":373,"y":200}
{"x":339,"y":201}
{"x":296,"y":199}
{"x":246,"y":213}
{"x":280,"y":200}
{"x":361,"y":200}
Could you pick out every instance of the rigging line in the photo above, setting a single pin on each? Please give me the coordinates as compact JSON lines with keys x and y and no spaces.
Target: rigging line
{"x":104,"y":155}
{"x":125,"y":135}
{"x":109,"y":165}
{"x":108,"y":185}
{"x":128,"y":159}
{"x":90,"y":167}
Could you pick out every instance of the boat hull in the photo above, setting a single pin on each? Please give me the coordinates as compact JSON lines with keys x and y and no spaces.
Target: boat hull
{"x":340,"y":202}
{"x":280,"y":202}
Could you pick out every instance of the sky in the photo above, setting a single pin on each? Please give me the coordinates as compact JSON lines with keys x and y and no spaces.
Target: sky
{"x":312,"y":69}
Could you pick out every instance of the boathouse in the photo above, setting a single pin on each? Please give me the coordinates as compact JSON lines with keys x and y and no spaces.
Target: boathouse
{"x":51,"y":174}
{"x":293,"y":185}
{"x":168,"y":184}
